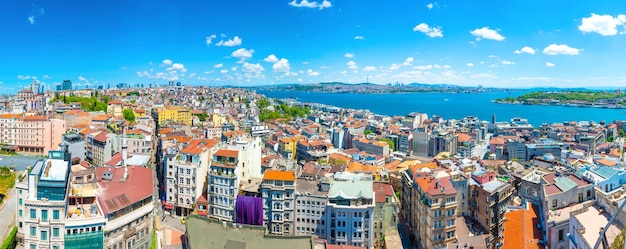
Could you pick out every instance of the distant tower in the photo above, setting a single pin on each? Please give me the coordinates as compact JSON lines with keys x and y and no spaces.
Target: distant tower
{"x":493,"y":118}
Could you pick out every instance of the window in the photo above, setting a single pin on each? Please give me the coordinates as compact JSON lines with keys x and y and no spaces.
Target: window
{"x":33,"y":213}
{"x":33,"y":246}
{"x":55,"y":247}
{"x":20,"y":213}
{"x":55,"y":232}
{"x":44,"y":215}
{"x":554,"y":203}
{"x":561,"y":237}
{"x":55,"y":214}
{"x":44,"y":235}
{"x":33,"y":231}
{"x":20,"y":200}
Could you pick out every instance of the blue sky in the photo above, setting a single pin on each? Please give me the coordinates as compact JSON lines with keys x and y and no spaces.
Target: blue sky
{"x":493,"y":43}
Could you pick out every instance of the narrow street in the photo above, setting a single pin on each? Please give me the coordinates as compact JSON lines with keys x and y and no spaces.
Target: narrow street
{"x":7,"y":212}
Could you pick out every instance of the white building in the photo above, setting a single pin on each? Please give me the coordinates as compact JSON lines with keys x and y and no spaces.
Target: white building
{"x":311,"y":199}
{"x":224,"y":184}
{"x":349,"y":213}
{"x":278,"y":192}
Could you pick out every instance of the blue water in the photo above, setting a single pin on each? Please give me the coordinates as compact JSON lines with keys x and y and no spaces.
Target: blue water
{"x":455,"y":106}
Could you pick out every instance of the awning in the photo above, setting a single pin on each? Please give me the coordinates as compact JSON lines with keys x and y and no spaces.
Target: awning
{"x":169,"y":206}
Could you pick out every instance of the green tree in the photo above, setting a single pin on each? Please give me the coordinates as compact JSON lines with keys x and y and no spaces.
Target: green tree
{"x":392,"y":146}
{"x":129,"y":115}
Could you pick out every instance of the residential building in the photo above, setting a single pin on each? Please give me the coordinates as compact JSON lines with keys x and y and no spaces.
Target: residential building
{"x":311,"y":199}
{"x":223,"y":184}
{"x":288,"y":146}
{"x":371,"y":146}
{"x":585,"y":226}
{"x":75,"y":144}
{"x":31,"y":134}
{"x":278,"y":192}
{"x":488,"y":201}
{"x":349,"y":213}
{"x":522,"y":229}
{"x":386,"y":212}
{"x":172,"y":114}
{"x":42,"y":202}
{"x":101,"y":146}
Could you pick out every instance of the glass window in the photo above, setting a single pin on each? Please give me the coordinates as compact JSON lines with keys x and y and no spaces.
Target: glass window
{"x":44,"y":215}
{"x":44,"y":235}
{"x":55,"y":232}
{"x":33,"y":231}
{"x":33,"y":213}
{"x":55,"y":214}
{"x":20,"y":213}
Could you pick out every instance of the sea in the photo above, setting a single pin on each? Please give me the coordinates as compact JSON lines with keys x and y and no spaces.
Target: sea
{"x":450,"y":105}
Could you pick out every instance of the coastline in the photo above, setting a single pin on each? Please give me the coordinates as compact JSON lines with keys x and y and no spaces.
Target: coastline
{"x":580,"y":105}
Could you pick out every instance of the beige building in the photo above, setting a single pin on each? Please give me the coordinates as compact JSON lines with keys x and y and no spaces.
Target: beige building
{"x":31,"y":134}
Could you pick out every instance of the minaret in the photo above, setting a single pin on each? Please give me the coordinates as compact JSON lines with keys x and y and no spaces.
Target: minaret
{"x":124,"y":151}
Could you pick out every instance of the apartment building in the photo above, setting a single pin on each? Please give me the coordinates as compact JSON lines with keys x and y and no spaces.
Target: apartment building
{"x":101,"y":146}
{"x":488,"y":201}
{"x":278,"y":192}
{"x":385,"y":213}
{"x":187,"y":175}
{"x":311,"y":199}
{"x":41,"y":203}
{"x":371,"y":146}
{"x":349,"y":213}
{"x":31,"y":134}
{"x":223,"y":184}
{"x":172,"y":114}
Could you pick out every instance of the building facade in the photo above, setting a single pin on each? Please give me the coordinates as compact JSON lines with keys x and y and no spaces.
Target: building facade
{"x":278,"y":192}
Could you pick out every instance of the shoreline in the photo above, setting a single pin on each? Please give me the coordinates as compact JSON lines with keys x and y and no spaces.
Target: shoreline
{"x":589,"y":105}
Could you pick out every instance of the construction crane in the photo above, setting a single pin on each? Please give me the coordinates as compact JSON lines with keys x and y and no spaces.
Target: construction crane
{"x":602,"y":238}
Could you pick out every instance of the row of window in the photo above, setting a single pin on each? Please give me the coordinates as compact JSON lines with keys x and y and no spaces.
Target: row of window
{"x":44,"y":213}
{"x":44,"y":233}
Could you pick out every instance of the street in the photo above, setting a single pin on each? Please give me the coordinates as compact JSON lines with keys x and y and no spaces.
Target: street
{"x":481,"y":148}
{"x":7,"y":212}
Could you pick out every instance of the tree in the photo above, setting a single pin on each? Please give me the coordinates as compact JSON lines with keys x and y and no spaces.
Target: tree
{"x":129,"y":115}
{"x":392,"y":146}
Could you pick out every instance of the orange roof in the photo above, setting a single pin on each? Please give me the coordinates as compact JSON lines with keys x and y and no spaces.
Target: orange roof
{"x":140,"y":110}
{"x":356,"y":167}
{"x":227,"y":153}
{"x":520,"y":229}
{"x":289,"y":139}
{"x":198,"y":146}
{"x":71,"y":112}
{"x":115,"y":102}
{"x":35,"y":118}
{"x":83,"y":114}
{"x":100,"y":118}
{"x":417,"y":167}
{"x":280,"y":175}
{"x":336,"y":156}
{"x":10,"y":115}
{"x":606,"y":162}
{"x":497,"y":141}
{"x":462,"y":137}
{"x":392,"y":165}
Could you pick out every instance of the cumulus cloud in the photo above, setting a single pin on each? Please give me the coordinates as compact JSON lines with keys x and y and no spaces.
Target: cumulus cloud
{"x":166,"y":62}
{"x":505,"y":62}
{"x":432,"y":5}
{"x":282,"y":66}
{"x":46,"y":77}
{"x":470,"y":64}
{"x":408,"y":61}
{"x":487,"y":33}
{"x":23,"y":77}
{"x":605,"y":25}
{"x":429,"y":31}
{"x":424,"y":67}
{"x":31,"y":20}
{"x":218,"y":65}
{"x":83,"y":79}
{"x":352,"y":65}
{"x":359,"y":37}
{"x":236,"y":41}
{"x":271,"y":58}
{"x":209,"y":39}
{"x":525,"y":49}
{"x":242,"y":54}
{"x":349,"y":55}
{"x":394,"y":66}
{"x":310,"y":72}
{"x":549,"y":64}
{"x":224,"y":71}
{"x":177,"y":67}
{"x":369,"y":69}
{"x":554,"y":49}
{"x":252,"y":70}
{"x":312,"y":4}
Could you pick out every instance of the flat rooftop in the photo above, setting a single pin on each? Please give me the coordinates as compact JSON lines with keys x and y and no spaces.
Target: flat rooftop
{"x":54,"y":170}
{"x":592,"y":220}
{"x":244,"y":237}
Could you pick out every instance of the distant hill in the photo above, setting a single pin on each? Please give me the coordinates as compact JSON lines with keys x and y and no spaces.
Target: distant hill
{"x":365,"y":87}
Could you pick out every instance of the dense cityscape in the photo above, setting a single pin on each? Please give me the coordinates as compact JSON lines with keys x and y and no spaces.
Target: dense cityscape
{"x":204,"y":167}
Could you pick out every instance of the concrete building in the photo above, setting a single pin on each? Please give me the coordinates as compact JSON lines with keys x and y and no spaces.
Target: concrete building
{"x":75,"y":144}
{"x":349,"y":213}
{"x":42,"y":203}
{"x":371,"y":146}
{"x":172,"y":114}
{"x":31,"y":134}
{"x":488,"y":201}
{"x":278,"y":192}
{"x":101,"y":146}
{"x":585,"y":225}
{"x":223,"y":184}
{"x":311,"y":199}
{"x":386,"y":212}
{"x":250,"y":154}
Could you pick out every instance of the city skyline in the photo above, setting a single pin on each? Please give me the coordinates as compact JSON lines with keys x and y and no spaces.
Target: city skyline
{"x":494,"y":44}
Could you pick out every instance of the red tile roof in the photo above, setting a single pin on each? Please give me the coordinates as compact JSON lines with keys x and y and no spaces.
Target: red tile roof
{"x":102,"y":137}
{"x":279,"y":175}
{"x":227,"y":153}
{"x":382,"y":190}
{"x":35,"y":118}
{"x":115,"y":194}
{"x":520,"y":229}
{"x":429,"y":185}
{"x":197,"y":146}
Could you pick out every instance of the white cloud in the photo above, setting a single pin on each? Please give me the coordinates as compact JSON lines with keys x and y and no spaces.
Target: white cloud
{"x":46,"y":77}
{"x":191,"y":75}
{"x":252,"y":70}
{"x":313,"y":4}
{"x":143,"y":74}
{"x":305,"y":63}
{"x":23,"y":77}
{"x":487,"y":33}
{"x":432,"y":5}
{"x":359,"y":37}
{"x":424,"y":67}
{"x":31,"y":20}
{"x":394,"y":66}
{"x":554,"y":49}
{"x":218,"y":65}
{"x":271,"y":58}
{"x":429,"y":31}
{"x":408,"y":61}
{"x":605,"y":25}
{"x":233,"y":69}
{"x":525,"y":49}
{"x":282,"y":66}
{"x":505,"y":62}
{"x":236,"y":41}
{"x":166,"y":62}
{"x":446,"y":66}
{"x":177,"y":67}
{"x":224,"y":71}
{"x":549,"y":64}
{"x":352,"y":65}
{"x":349,"y":55}
{"x":369,"y":69}
{"x":242,"y":54}
{"x":209,"y":39}
{"x":81,"y":78}
{"x":470,"y":64}
{"x":312,"y":73}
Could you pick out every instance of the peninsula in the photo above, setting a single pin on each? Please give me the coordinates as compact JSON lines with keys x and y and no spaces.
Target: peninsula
{"x":598,"y":99}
